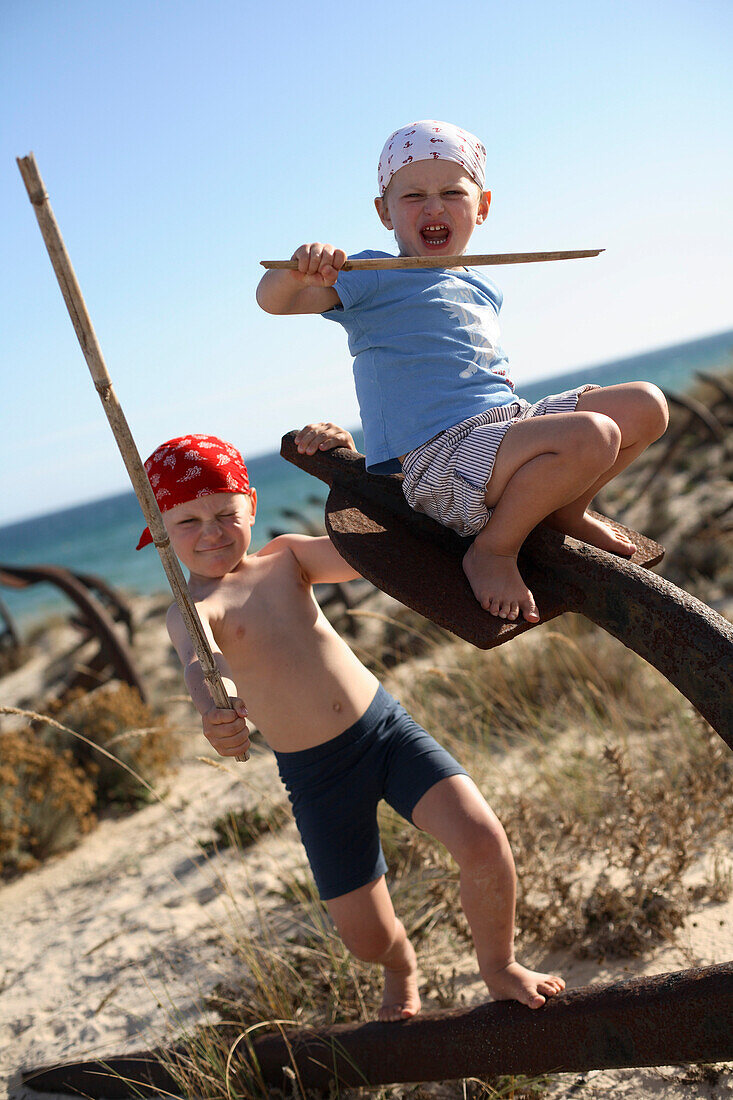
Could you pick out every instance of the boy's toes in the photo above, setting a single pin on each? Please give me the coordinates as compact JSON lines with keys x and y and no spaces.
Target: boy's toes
{"x":403,"y":1010}
{"x":534,"y":999}
{"x":623,"y":545}
{"x":551,"y":986}
{"x":530,"y":612}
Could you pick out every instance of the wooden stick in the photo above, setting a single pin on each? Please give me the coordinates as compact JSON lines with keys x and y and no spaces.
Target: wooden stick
{"x":388,"y":263}
{"x":103,"y":383}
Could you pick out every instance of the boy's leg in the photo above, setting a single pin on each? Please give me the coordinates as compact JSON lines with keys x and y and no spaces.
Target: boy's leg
{"x":367,"y":923}
{"x":455,"y":812}
{"x":640,"y":410}
{"x":541,"y":465}
{"x":549,"y":468}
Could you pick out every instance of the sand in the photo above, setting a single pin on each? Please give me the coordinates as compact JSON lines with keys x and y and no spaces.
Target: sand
{"x":113,"y":946}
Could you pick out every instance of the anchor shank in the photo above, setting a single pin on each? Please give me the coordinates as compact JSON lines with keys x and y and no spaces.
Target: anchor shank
{"x":682,"y":637}
{"x":672,"y":1018}
{"x":663,"y":1020}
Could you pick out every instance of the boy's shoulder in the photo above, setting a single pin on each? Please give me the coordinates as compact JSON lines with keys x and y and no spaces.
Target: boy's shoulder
{"x":356,"y":288}
{"x":370,"y":254}
{"x":280,"y":544}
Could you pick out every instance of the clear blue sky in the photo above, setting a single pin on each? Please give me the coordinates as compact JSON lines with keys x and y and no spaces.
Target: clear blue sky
{"x":181,"y":142}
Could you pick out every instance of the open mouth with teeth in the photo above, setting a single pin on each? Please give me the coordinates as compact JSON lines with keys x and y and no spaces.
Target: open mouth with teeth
{"x":435,"y":235}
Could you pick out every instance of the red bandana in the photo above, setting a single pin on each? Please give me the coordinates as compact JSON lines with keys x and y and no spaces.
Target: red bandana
{"x":193,"y":466}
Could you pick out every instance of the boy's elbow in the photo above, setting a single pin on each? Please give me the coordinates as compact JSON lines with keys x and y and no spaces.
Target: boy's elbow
{"x":264,"y":303}
{"x":193,"y":674}
{"x":270,"y":298}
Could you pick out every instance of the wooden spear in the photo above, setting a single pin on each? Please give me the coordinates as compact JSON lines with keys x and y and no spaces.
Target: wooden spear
{"x":388,"y":263}
{"x":95,"y":361}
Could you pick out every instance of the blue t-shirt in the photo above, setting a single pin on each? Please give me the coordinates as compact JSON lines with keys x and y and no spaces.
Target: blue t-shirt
{"x":426,"y":353}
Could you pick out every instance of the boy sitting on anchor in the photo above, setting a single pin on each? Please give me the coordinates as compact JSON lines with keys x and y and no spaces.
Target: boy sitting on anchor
{"x":341,"y":742}
{"x":434,"y":393}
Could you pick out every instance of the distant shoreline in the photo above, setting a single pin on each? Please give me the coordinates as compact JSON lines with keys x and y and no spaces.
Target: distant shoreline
{"x":533,"y":388}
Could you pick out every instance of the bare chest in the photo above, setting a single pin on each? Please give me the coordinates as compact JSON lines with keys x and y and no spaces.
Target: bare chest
{"x":260,"y":614}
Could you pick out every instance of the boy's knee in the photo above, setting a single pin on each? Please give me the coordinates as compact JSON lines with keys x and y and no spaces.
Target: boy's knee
{"x":598,"y":439}
{"x":653,"y":405}
{"x":482,"y":848}
{"x":368,"y":940}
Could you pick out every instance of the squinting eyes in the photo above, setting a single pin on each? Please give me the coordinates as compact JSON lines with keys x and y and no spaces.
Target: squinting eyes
{"x":194,"y":519}
{"x":443,"y":195}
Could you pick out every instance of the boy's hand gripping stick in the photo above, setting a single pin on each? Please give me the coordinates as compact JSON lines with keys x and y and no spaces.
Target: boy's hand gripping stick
{"x":95,"y":361}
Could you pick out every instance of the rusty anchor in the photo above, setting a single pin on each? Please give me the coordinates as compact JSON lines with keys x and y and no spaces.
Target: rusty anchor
{"x":97,"y":614}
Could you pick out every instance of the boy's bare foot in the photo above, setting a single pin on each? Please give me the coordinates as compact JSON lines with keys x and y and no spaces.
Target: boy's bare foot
{"x":591,"y":530}
{"x":515,"y":982}
{"x":401,"y":998}
{"x":497,"y":584}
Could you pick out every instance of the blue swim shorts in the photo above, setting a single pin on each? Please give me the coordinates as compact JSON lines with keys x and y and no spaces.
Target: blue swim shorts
{"x":335,"y":788}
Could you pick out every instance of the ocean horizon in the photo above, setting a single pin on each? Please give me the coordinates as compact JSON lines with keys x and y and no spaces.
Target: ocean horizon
{"x":100,"y":536}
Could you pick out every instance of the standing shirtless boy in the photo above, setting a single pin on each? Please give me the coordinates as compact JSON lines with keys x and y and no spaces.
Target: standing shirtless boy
{"x":434,"y":393}
{"x":341,"y":742}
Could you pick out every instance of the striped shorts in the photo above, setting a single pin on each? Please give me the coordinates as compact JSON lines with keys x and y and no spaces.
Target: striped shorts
{"x":447,"y":476}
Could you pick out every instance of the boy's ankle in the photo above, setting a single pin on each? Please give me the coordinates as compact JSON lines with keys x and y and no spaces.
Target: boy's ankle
{"x":496,"y":966}
{"x":485,"y":543}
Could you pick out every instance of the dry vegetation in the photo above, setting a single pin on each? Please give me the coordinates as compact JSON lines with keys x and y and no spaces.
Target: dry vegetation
{"x":99,"y":755}
{"x":115,"y":719}
{"x":593,"y":762}
{"x":46,"y":802}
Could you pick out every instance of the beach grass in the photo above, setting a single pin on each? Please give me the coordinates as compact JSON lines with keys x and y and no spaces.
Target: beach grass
{"x":88,"y":754}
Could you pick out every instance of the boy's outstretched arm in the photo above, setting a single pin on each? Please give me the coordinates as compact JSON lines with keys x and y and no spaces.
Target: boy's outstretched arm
{"x":310,"y":289}
{"x":226,"y":730}
{"x":318,"y":558}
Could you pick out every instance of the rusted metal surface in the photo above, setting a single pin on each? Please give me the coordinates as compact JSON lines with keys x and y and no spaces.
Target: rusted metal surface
{"x":9,"y":638}
{"x":418,"y":562}
{"x":144,"y":1073}
{"x":699,"y":414}
{"x":96,"y":618}
{"x":683,"y":1017}
{"x":664,"y":1020}
{"x":118,"y":607}
{"x":723,"y":385}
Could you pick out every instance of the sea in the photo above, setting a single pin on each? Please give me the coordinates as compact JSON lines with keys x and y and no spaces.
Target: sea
{"x":100,"y":536}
